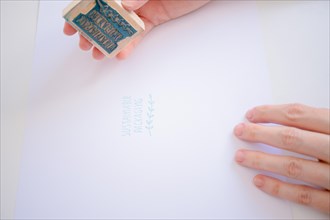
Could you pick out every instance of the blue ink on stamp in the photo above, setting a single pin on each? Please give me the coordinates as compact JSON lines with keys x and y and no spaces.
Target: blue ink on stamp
{"x":104,"y":25}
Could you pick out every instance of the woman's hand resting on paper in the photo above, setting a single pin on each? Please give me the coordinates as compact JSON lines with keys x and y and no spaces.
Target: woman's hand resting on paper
{"x":304,"y":130}
{"x":152,"y":12}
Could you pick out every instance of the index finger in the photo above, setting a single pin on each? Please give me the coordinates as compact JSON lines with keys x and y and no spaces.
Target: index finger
{"x":294,"y":115}
{"x":68,"y":29}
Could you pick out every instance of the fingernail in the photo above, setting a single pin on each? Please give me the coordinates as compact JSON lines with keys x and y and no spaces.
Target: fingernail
{"x":238,"y":131}
{"x":258,"y":181}
{"x":239,"y":156}
{"x":249,"y":115}
{"x":128,"y":4}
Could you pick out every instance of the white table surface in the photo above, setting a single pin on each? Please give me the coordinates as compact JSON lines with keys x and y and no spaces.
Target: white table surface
{"x":296,"y":38}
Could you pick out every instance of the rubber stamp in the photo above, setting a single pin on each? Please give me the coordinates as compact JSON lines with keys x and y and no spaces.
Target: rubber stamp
{"x":105,"y":23}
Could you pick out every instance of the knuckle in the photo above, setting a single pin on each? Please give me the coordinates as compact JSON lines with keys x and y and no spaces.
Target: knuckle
{"x":252,"y":131}
{"x":293,"y":168}
{"x":261,"y":111}
{"x":304,"y":196}
{"x":290,"y":137}
{"x":256,"y":162}
{"x":294,"y":111}
{"x":275,"y":189}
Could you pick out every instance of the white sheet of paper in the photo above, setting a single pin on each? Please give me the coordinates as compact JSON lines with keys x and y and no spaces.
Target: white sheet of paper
{"x":151,"y":136}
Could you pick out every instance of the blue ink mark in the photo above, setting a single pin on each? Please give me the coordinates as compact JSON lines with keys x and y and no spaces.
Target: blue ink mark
{"x":126,"y":126}
{"x":105,"y":26}
{"x":150,"y":114}
{"x":138,"y":110}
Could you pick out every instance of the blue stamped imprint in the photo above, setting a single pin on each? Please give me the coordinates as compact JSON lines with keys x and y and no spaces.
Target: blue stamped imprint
{"x":104,"y":25}
{"x":150,"y":114}
{"x":126,"y":121}
{"x":137,"y":115}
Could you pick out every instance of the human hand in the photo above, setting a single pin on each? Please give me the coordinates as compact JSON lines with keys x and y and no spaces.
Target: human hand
{"x":304,"y":130}
{"x":152,"y":12}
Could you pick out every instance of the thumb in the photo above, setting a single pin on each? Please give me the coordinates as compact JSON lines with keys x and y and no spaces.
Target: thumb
{"x":132,"y":5}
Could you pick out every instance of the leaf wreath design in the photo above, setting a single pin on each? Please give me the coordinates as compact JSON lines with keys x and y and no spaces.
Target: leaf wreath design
{"x":150,"y":114}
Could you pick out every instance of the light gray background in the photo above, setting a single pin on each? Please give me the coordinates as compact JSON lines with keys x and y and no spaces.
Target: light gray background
{"x":296,"y":37}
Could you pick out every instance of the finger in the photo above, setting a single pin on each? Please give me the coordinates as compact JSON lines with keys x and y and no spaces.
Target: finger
{"x":288,"y":138}
{"x":309,"y":171}
{"x":97,"y":54}
{"x":297,"y":115}
{"x":84,"y":44}
{"x":304,"y":195}
{"x":68,"y":29}
{"x":125,"y":52}
{"x":132,"y":5}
